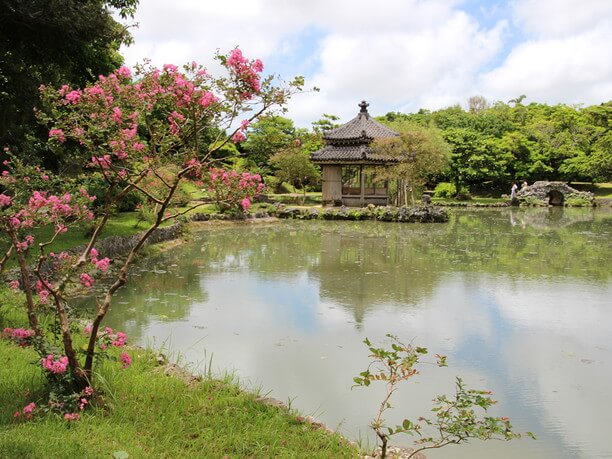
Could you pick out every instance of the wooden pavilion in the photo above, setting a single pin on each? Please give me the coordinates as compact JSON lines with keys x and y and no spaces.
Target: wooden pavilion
{"x":347,"y":162}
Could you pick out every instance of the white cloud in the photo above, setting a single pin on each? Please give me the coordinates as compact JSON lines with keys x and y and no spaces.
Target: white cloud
{"x":560,"y":18}
{"x":398,"y":54}
{"x":572,"y":69}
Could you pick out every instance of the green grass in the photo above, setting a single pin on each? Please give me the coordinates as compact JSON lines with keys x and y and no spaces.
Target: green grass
{"x":474,"y":200}
{"x":122,"y":224}
{"x":600,"y":190}
{"x":150,"y":414}
{"x":296,"y":198}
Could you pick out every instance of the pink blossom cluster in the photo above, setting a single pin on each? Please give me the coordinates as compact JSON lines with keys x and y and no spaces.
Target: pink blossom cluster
{"x":20,"y":336}
{"x":86,"y":280}
{"x":195,"y":167}
{"x":5,"y":200}
{"x":109,"y":117}
{"x":25,"y":244}
{"x":27,"y":412}
{"x":49,"y":209}
{"x":101,"y":264}
{"x":234,"y":188}
{"x":57,"y":134}
{"x":126,"y":360}
{"x":239,"y":135}
{"x":247,"y":73}
{"x":70,"y":417}
{"x":102,"y":110}
{"x":42,"y":291}
{"x":54,"y":364}
{"x":108,"y":337}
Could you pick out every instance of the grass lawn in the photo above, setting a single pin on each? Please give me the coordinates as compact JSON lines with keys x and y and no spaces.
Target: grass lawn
{"x":474,"y":200}
{"x":148,"y":413}
{"x":600,"y":190}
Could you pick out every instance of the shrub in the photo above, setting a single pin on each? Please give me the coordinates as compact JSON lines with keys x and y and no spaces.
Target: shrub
{"x":576,"y":200}
{"x":445,"y":190}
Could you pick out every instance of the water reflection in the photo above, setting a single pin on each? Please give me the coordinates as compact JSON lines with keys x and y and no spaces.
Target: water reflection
{"x":520,"y":308}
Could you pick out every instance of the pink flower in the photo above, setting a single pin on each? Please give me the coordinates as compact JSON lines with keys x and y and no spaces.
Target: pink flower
{"x":120,"y":339}
{"x":238,"y":137}
{"x":244,"y":124}
{"x":124,"y":72}
{"x":14,"y":284}
{"x":87,"y":329}
{"x":57,"y":367}
{"x":73,"y":97}
{"x":236,"y":58}
{"x":207,"y":99}
{"x":5,"y":200}
{"x":102,"y":264}
{"x":20,"y":336}
{"x":88,"y":391}
{"x":126,"y":360}
{"x":245,"y":203}
{"x":117,"y":115}
{"x":72,"y":417}
{"x":27,"y":411}
{"x":86,"y":280}
{"x":103,"y":161}
{"x":258,"y":65}
{"x":43,"y":296}
{"x":58,"y":134}
{"x":29,"y":408}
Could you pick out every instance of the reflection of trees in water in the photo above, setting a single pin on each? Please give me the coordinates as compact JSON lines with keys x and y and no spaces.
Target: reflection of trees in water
{"x":159,"y":289}
{"x":363,"y":271}
{"x":549,"y":218}
{"x":363,"y":265}
{"x":486,"y":241}
{"x":358,"y":265}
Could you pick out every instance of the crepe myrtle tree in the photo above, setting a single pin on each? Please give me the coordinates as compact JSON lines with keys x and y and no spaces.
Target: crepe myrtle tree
{"x":127,"y":127}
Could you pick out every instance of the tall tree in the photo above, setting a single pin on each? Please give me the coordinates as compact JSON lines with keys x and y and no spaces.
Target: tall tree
{"x":421,"y":154}
{"x":52,"y":42}
{"x":267,"y":136}
{"x":293,"y":166}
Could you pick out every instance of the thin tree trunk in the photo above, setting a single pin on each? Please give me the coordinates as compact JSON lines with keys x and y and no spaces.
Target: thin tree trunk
{"x":27,"y":287}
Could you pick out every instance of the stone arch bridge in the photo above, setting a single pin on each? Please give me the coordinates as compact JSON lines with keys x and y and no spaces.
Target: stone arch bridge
{"x":546,"y":193}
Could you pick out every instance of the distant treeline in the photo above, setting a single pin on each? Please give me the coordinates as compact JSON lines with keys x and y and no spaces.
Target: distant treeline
{"x":500,"y":143}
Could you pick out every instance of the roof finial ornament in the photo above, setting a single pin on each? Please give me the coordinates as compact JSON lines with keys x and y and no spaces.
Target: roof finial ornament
{"x":364,"y":106}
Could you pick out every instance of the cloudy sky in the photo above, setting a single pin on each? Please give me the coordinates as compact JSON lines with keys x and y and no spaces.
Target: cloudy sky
{"x":399,"y":55}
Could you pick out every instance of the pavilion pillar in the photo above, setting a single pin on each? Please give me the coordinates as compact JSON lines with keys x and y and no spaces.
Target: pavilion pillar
{"x":361,"y":186}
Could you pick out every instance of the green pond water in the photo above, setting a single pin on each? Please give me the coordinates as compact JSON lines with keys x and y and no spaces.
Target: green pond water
{"x":520,"y":300}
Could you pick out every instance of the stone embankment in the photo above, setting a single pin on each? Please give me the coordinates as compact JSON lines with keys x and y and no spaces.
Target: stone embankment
{"x":421,"y":214}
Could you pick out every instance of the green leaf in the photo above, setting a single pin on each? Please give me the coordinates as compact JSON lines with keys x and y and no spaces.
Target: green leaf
{"x":407,"y":424}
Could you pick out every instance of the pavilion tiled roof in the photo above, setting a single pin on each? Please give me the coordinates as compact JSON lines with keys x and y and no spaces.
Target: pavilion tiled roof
{"x":348,"y":154}
{"x":350,"y":142}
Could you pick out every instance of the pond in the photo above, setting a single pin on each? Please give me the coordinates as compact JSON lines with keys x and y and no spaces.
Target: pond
{"x":518,"y":299}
